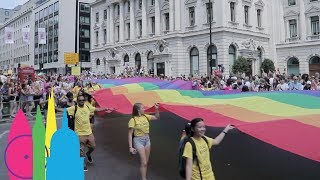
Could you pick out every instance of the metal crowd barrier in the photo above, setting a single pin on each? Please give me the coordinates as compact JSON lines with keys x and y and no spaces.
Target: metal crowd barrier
{"x":15,"y":105}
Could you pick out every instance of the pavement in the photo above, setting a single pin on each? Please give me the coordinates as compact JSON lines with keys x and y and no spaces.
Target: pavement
{"x":239,"y":157}
{"x":111,"y":158}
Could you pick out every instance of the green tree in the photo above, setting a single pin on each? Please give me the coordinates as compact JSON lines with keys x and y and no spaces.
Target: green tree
{"x":241,"y":65}
{"x":267,"y":66}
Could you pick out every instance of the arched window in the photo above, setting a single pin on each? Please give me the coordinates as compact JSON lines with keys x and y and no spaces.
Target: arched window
{"x":232,"y":55}
{"x":315,"y":60}
{"x":194,"y":61}
{"x":314,"y":65}
{"x":212,"y":58}
{"x":126,"y":60}
{"x":293,"y":66}
{"x":260,"y":59}
{"x":98,"y":62}
{"x":150,"y":61}
{"x":138,"y":60}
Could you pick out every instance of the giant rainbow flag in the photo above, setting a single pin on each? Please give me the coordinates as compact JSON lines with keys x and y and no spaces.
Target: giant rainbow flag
{"x":287,"y":120}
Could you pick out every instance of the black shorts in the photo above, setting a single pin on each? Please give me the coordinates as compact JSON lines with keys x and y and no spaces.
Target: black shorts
{"x":92,"y":120}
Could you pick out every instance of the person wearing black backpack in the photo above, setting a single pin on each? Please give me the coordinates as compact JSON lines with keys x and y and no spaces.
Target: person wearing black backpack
{"x":195,"y":148}
{"x":138,"y":135}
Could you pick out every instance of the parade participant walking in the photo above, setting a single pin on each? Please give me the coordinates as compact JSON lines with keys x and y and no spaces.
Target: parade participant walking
{"x":198,"y":164}
{"x":138,"y":135}
{"x":82,"y":127}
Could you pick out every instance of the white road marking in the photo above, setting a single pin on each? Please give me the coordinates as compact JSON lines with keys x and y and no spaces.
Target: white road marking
{"x":4,"y":133}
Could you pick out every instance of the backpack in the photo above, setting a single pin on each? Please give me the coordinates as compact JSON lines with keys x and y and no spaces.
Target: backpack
{"x":183,"y":161}
{"x":71,"y":118}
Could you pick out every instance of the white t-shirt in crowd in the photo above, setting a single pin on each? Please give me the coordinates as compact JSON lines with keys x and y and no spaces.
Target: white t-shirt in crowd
{"x":283,"y":87}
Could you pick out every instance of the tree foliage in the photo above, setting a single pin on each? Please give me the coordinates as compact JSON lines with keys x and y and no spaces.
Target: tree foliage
{"x":241,"y":65}
{"x":267,"y":66}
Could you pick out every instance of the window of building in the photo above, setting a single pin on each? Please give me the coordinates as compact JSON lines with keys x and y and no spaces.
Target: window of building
{"x":56,"y":6}
{"x":50,"y":9}
{"x":140,"y":28}
{"x":293,"y":28}
{"x":150,"y":62}
{"x":41,"y":14}
{"x":85,"y":7}
{"x":128,"y":6}
{"x":118,"y":10}
{"x":45,"y":12}
{"x":97,"y":17}
{"x":117,"y":33}
{"x":212,"y":57}
{"x":85,"y":45}
{"x":105,"y":36}
{"x":128,"y":30}
{"x":315,"y":25}
{"x":259,"y":20}
{"x":50,"y":57}
{"x":36,"y":16}
{"x":209,"y":12}
{"x":167,"y":21}
{"x":85,"y":33}
{"x":152,"y":2}
{"x":97,"y":37}
{"x":191,"y":16}
{"x":138,"y":61}
{"x":246,"y":15}
{"x":126,"y":60}
{"x":84,"y":20}
{"x":105,"y":14}
{"x":194,"y":61}
{"x":232,"y":12}
{"x":153,"y":24}
{"x":140,"y":4}
{"x":291,"y":2}
{"x":6,"y":13}
{"x":232,"y":55}
{"x":313,"y":0}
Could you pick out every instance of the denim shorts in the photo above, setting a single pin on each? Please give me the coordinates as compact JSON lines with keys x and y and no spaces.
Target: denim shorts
{"x":141,"y":141}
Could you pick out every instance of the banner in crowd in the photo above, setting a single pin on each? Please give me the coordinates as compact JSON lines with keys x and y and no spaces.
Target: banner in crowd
{"x":71,"y":58}
{"x":8,"y":35}
{"x":42,"y":38}
{"x":26,"y":35}
{"x":75,"y":71}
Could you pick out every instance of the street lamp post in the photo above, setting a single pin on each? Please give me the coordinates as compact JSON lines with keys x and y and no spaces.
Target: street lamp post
{"x":210,"y":24}
{"x":76,"y":33}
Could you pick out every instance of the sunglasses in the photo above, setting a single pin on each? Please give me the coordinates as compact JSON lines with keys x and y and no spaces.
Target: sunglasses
{"x":82,"y":100}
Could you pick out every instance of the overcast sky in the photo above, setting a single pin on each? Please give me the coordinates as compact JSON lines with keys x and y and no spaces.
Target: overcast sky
{"x":9,"y":4}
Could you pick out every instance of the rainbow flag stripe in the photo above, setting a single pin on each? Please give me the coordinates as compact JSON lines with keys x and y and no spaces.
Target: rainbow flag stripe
{"x":287,"y":120}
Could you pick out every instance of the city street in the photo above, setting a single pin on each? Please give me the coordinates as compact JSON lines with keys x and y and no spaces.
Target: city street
{"x":239,"y":157}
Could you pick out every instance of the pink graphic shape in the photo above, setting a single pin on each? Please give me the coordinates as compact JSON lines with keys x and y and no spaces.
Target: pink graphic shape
{"x":19,"y":151}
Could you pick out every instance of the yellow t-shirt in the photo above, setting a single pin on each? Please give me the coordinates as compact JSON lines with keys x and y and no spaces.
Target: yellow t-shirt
{"x":96,"y":87}
{"x":89,"y":90}
{"x":82,"y":119}
{"x":76,"y":90}
{"x":203,"y":154}
{"x":140,"y":125}
{"x":87,"y":103}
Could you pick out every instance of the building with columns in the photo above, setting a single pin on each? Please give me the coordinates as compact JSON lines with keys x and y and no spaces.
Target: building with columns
{"x":297,"y":36}
{"x":171,"y":37}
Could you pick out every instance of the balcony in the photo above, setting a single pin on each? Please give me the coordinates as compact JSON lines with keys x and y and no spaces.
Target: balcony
{"x":293,"y":39}
{"x":314,"y":37}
